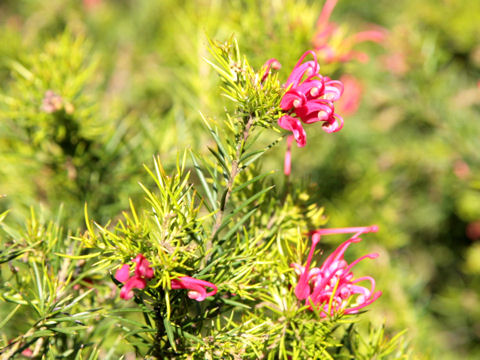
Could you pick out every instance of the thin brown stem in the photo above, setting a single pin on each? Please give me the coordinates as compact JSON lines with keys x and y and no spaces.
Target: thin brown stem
{"x":231,"y":179}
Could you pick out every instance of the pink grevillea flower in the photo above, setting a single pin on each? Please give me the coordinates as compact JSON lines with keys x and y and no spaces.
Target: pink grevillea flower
{"x":331,"y":44}
{"x":142,"y":268}
{"x":143,"y":272}
{"x":197,"y":287}
{"x":332,"y":288}
{"x":308,"y":99}
{"x":123,"y":274}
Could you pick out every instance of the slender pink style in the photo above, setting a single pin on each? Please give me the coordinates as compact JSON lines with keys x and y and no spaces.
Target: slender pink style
{"x":287,"y":164}
{"x":270,"y":64}
{"x":197,"y":287}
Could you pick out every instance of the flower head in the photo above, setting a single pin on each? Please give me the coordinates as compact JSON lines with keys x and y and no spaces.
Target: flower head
{"x":332,"y":288}
{"x":143,"y":272}
{"x":143,"y":268}
{"x":309,"y":98}
{"x":332,"y":45}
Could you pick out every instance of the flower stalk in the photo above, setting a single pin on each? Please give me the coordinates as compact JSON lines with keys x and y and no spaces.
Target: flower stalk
{"x":231,"y":180}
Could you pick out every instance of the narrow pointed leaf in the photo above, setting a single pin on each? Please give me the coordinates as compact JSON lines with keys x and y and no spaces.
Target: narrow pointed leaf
{"x":169,"y":330}
{"x":229,"y":217}
{"x":204,"y":183}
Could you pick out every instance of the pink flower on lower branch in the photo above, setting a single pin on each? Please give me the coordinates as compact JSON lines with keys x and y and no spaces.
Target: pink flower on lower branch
{"x":332,"y":287}
{"x":143,"y":272}
{"x":197,"y":287}
{"x":143,"y":268}
{"x":133,"y":283}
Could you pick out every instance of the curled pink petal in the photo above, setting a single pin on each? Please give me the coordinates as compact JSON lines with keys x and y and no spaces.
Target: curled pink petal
{"x":333,"y":124}
{"x":197,"y":287}
{"x":315,"y":110}
{"x":333,"y":90}
{"x":312,"y":89}
{"x":308,"y":69}
{"x":197,"y":295}
{"x":295,"y":126}
{"x":272,"y":63}
{"x":292,"y":99}
{"x":133,"y":283}
{"x":123,"y":273}
{"x":143,"y":268}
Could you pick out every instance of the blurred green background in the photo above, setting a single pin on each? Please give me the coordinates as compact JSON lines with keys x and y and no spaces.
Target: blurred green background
{"x":130,"y":80}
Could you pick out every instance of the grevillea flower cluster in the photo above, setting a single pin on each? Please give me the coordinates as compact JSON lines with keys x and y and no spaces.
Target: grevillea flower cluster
{"x":308,"y":99}
{"x":332,"y":44}
{"x":143,"y":272}
{"x":332,"y":288}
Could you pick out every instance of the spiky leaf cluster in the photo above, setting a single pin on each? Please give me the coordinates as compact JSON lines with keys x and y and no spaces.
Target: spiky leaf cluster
{"x":51,"y":293}
{"x":252,"y":92}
